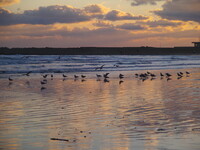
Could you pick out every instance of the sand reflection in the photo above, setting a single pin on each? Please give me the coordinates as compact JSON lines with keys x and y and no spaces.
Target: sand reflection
{"x":97,"y":114}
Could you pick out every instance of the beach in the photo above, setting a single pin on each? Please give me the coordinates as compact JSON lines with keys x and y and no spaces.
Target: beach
{"x":91,"y":113}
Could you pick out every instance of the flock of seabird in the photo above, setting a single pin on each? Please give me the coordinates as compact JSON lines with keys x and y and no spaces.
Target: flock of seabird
{"x":105,"y":77}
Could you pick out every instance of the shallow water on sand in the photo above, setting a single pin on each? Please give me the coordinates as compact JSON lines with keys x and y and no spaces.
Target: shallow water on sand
{"x":93,"y":114}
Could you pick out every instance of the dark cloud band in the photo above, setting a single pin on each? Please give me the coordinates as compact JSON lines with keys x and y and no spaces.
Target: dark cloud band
{"x":62,"y":14}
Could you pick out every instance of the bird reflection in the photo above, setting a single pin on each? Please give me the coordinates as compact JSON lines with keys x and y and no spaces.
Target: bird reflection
{"x":120,"y":82}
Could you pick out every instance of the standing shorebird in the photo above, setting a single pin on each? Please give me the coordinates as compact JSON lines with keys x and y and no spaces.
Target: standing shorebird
{"x":64,"y":76}
{"x":45,"y":76}
{"x":187,"y":73}
{"x":10,"y":79}
{"x":136,"y":75}
{"x":162,"y":75}
{"x":168,"y":75}
{"x":98,"y":75}
{"x":106,"y":75}
{"x":82,"y":76}
{"x":121,"y":76}
{"x":76,"y":77}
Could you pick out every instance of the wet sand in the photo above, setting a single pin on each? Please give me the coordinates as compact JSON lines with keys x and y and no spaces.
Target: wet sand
{"x":157,"y":114}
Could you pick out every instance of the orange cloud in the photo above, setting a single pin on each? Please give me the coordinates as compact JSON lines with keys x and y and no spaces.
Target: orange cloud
{"x":8,"y":2}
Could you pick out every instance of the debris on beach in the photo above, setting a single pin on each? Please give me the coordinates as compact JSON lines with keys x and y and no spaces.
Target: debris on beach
{"x":60,"y":139}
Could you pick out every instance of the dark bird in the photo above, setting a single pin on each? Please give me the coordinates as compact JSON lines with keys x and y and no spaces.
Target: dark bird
{"x":179,"y":75}
{"x":142,"y":75}
{"x":115,"y":65}
{"x":187,"y":72}
{"x":75,"y":76}
{"x":10,"y":79}
{"x":136,"y":75}
{"x":106,"y":75}
{"x":51,"y":75}
{"x":98,"y":75}
{"x":64,"y":76}
{"x":121,"y":76}
{"x":45,"y":76}
{"x":148,"y":72}
{"x":162,"y":75}
{"x":27,"y":74}
{"x":101,"y":67}
{"x":82,"y":76}
{"x":152,"y":75}
{"x":168,"y":75}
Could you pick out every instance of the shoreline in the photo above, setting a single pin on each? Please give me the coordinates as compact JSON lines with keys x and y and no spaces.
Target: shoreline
{"x":101,"y":51}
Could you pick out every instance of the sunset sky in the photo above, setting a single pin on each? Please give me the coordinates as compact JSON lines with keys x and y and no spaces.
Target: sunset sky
{"x":80,"y":23}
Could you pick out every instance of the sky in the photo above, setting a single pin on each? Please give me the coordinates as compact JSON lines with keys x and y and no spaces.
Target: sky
{"x":111,"y":23}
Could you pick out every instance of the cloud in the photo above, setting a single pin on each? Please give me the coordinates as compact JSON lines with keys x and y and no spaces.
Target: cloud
{"x":186,"y":10}
{"x":130,"y":26}
{"x":48,"y":35}
{"x":100,"y":23}
{"x":95,"y":9}
{"x":44,"y":15}
{"x":52,"y":36}
{"x":162,"y":23}
{"x":145,"y":2}
{"x":8,"y":2}
{"x":63,"y":14}
{"x":115,"y":15}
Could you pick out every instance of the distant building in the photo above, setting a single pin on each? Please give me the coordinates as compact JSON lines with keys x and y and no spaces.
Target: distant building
{"x":196,"y":44}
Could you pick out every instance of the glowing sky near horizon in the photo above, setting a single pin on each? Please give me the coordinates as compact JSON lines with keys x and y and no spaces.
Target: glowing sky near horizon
{"x":76,"y":23}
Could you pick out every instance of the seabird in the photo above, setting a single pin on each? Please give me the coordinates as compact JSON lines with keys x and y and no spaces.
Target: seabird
{"x":162,"y":75}
{"x":121,"y":76}
{"x":101,"y":67}
{"x":98,"y":75}
{"x":152,"y":75}
{"x":136,"y":75}
{"x":64,"y":75}
{"x":45,"y":76}
{"x":187,"y":72}
{"x":106,"y":75}
{"x":115,"y":65}
{"x":168,"y":75}
{"x":75,"y":76}
{"x":148,"y":72}
{"x":82,"y":76}
{"x":10,"y":79}
{"x":27,"y":74}
{"x":179,"y":75}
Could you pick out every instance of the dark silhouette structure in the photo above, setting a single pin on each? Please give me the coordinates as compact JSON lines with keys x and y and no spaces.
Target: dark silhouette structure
{"x":196,"y":44}
{"x":102,"y":51}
